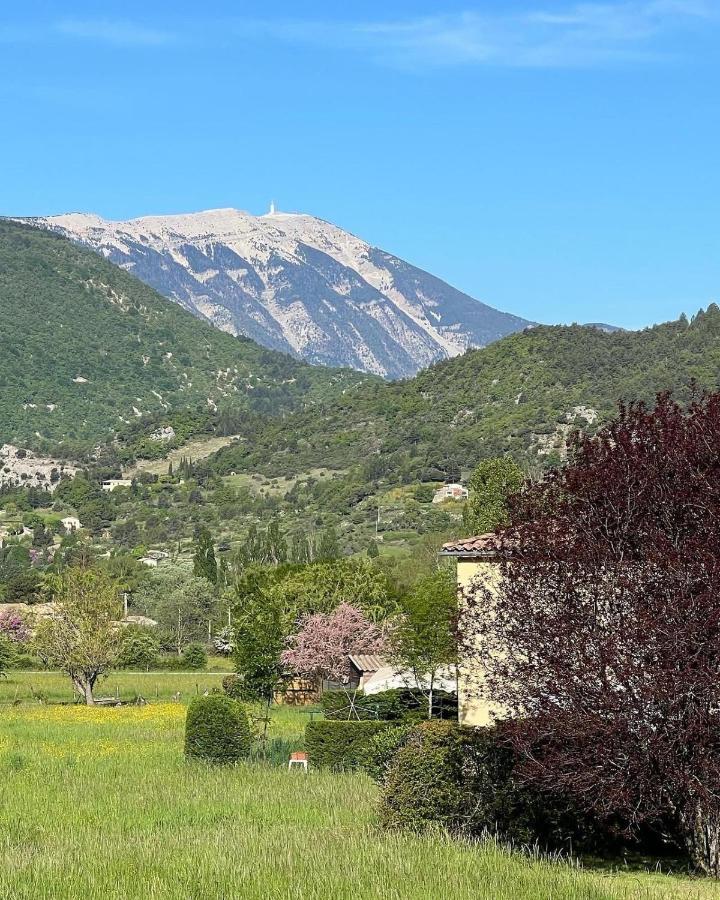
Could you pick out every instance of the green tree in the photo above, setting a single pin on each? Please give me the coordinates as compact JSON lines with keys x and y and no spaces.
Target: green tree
{"x":422,"y":637}
{"x":323,"y":586}
{"x":204,"y":562}
{"x":275,"y":550}
{"x":491,"y":484}
{"x":181,"y":603}
{"x":42,"y":537}
{"x":259,"y":643}
{"x":82,"y":637}
{"x":328,"y":545}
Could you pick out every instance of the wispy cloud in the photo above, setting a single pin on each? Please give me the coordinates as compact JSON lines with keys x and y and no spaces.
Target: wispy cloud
{"x":116,"y":33}
{"x":580,"y":34}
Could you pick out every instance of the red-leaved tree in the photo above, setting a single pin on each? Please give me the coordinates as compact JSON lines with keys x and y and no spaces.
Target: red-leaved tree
{"x":602,"y":639}
{"x":321,"y":647}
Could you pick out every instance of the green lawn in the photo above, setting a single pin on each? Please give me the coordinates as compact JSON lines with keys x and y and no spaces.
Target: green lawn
{"x":99,"y":803}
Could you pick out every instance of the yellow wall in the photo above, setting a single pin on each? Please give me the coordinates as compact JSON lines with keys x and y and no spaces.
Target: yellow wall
{"x":475,"y":708}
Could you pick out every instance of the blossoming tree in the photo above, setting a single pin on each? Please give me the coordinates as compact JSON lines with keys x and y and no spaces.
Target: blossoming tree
{"x":321,"y":647}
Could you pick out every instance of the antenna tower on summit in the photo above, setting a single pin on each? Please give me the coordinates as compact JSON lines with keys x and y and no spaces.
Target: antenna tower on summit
{"x":272,"y":208}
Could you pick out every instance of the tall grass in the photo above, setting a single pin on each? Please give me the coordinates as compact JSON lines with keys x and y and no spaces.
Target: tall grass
{"x":99,"y":803}
{"x":55,"y":687}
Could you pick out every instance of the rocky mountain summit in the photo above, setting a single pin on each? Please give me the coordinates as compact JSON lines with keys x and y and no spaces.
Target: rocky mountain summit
{"x":297,"y":284}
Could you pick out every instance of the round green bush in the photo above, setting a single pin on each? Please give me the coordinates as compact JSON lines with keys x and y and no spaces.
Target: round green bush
{"x":139,"y":650}
{"x":217,"y":729}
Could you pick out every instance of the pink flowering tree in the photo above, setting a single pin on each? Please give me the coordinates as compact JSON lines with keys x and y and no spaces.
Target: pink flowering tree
{"x":14,"y":626}
{"x":320,"y":648}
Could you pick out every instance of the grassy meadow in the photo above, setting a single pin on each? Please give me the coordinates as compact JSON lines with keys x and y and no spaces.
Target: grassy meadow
{"x":99,"y":803}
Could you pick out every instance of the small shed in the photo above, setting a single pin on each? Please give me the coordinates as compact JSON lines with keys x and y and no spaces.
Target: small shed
{"x":362,"y":667}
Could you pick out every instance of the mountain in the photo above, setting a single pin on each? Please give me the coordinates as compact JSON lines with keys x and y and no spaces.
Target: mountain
{"x":521,"y":395}
{"x":297,"y":284}
{"x":89,"y":350}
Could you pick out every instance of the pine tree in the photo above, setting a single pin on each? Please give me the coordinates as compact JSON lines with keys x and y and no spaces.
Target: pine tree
{"x":329,"y":545}
{"x":204,"y":562}
{"x":491,"y":484}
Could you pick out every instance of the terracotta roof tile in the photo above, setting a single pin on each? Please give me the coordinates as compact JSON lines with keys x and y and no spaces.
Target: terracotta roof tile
{"x":481,"y":545}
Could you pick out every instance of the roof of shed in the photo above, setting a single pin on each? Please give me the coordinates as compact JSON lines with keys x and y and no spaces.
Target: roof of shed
{"x":367,"y":662}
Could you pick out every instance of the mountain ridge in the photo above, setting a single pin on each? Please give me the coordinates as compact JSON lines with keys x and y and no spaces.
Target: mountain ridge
{"x":89,"y":350}
{"x":296,"y":283}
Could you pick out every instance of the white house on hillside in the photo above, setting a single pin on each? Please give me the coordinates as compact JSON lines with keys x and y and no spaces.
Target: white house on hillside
{"x":113,"y":483}
{"x":450,"y":492}
{"x":71,"y":523}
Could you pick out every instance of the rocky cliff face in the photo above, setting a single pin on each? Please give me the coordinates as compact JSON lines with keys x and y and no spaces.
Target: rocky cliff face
{"x":297,"y":284}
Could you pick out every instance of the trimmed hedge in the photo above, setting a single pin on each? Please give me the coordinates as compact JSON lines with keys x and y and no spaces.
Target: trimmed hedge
{"x":217,"y":729}
{"x":382,"y":749}
{"x":395,"y":705}
{"x":463,"y":779}
{"x":340,"y":744}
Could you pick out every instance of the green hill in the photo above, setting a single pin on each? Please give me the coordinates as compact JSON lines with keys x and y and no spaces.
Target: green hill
{"x":522,"y":395}
{"x":87,"y":350}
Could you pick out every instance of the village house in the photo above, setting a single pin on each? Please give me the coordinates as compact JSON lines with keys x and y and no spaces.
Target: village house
{"x":450,"y":492}
{"x":111,"y":483}
{"x":71,"y":523}
{"x":478,"y":562}
{"x":153,"y":558}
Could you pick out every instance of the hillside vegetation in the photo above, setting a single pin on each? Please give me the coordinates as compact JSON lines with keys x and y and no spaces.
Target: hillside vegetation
{"x":91,"y":355}
{"x":522,"y":395}
{"x":87,"y":349}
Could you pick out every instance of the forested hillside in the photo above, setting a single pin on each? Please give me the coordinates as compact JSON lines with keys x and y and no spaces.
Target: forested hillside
{"x":521,"y":395}
{"x":87,"y":350}
{"x":91,"y":354}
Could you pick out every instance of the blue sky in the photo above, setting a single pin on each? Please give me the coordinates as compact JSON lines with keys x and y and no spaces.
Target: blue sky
{"x":555,"y":159}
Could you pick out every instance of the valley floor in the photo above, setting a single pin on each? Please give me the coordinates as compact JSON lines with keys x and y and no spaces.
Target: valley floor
{"x":99,"y":803}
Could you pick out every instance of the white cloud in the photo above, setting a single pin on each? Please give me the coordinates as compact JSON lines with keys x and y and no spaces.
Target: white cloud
{"x":118,"y":33}
{"x":580,"y":34}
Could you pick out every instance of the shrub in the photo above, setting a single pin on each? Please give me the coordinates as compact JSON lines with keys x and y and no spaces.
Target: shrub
{"x":26,"y":661}
{"x":7,"y":653}
{"x":463,"y":779}
{"x":339,"y":745}
{"x":217,"y":729}
{"x":14,"y":625}
{"x":423,"y":781}
{"x":232,"y":685}
{"x":194,"y":657}
{"x":139,"y":650}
